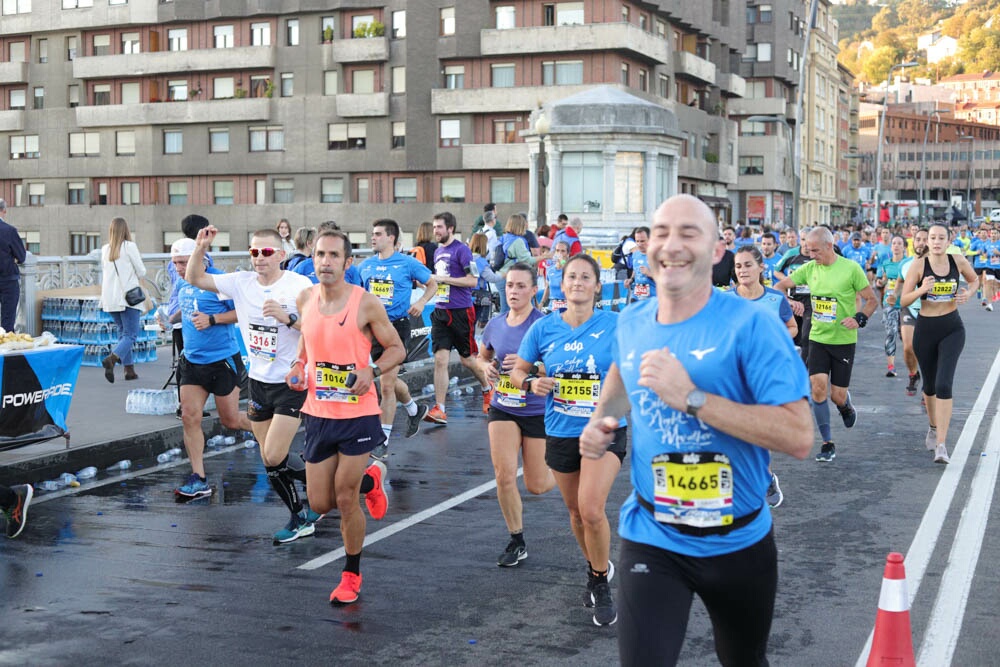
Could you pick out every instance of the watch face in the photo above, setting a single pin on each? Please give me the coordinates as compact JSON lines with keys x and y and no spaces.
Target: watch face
{"x":696,"y":399}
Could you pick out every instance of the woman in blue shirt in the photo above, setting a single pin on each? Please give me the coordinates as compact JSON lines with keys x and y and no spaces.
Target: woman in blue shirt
{"x":575,"y":347}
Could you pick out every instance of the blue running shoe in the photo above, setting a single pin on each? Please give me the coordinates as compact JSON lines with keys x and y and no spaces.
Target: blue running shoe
{"x":295,"y":528}
{"x":195,"y":487}
{"x":309,"y":516}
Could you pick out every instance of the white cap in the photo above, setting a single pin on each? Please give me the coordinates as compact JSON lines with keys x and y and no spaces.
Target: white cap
{"x":182,"y":248}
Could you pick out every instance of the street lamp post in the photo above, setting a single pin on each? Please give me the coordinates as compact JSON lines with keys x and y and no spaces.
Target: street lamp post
{"x":923,"y":159}
{"x":881,"y":131}
{"x":791,"y":163}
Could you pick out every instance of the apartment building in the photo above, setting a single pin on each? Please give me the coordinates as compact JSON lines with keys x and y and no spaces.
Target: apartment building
{"x":248,"y":112}
{"x":848,"y":159}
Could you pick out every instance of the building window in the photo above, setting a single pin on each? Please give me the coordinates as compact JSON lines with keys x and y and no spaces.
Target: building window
{"x":341,"y":136}
{"x":330,"y":82}
{"x":292,"y":32}
{"x":284,"y":191}
{"x":643,"y":80}
{"x":82,"y":243}
{"x":568,"y":13}
{"x":71,"y":46}
{"x":563,"y":73}
{"x":260,"y":34}
{"x":102,"y":45}
{"x":399,"y":134}
{"x":15,"y":52}
{"x":663,"y":177}
{"x":43,"y":50}
{"x":39,"y":97}
{"x":177,"y":193}
{"x":177,"y":39}
{"x":222,"y":193}
{"x":451,"y":133}
{"x":625,"y":11}
{"x":453,"y":189}
{"x":259,"y":86}
{"x":624,"y":74}
{"x":177,"y":90}
{"x":447,"y":20}
{"x":260,"y":191}
{"x":102,"y":94}
{"x":506,"y":18}
{"x":130,"y":194}
{"x":74,"y":4}
{"x":331,"y":190}
{"x":454,"y":76}
{"x":130,"y":43}
{"x":218,"y":140}
{"x":502,"y":76}
{"x":582,"y":181}
{"x":765,"y":14}
{"x":398,"y":80}
{"x":287,"y":84}
{"x":764,"y":52}
{"x":404,"y":190}
{"x":327,"y":28}
{"x":502,"y":190}
{"x":664,"y":86}
{"x":224,"y":87}
{"x":130,"y":93}
{"x":362,"y":190}
{"x":83,"y":144}
{"x":16,"y":99}
{"x":125,"y":142}
{"x":173,"y":142}
{"x":751,"y":165}
{"x":270,"y":138}
{"x":102,"y":194}
{"x":399,"y":24}
{"x":11,"y":7}
{"x":752,"y":129}
{"x":36,"y":194}
{"x":360,"y":24}
{"x":74,"y":194}
{"x":628,"y":182}
{"x":223,"y":37}
{"x":504,"y":132}
{"x":363,"y":81}
{"x":24,"y":147}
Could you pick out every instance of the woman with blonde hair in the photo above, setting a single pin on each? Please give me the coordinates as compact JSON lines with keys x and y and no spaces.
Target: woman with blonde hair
{"x":424,"y":245}
{"x":122,"y":270}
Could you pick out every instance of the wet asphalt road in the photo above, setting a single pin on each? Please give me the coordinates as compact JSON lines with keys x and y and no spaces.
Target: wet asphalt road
{"x":122,"y":574}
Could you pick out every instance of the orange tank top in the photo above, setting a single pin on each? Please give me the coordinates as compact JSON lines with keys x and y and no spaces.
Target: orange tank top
{"x":335,"y":347}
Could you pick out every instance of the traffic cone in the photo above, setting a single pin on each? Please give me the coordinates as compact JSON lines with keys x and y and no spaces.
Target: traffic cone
{"x":892,"y":643}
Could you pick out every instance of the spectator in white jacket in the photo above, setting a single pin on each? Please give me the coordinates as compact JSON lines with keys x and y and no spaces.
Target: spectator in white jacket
{"x":122,"y":269}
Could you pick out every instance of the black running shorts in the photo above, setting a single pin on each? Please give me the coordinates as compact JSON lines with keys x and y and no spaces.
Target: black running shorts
{"x":454,"y":328}
{"x":532,"y":426}
{"x":563,"y":454}
{"x":217,"y":378}
{"x":837,"y":361}
{"x":267,"y":400}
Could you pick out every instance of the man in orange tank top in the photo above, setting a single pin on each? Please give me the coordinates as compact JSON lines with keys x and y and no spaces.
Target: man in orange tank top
{"x":342,"y":413}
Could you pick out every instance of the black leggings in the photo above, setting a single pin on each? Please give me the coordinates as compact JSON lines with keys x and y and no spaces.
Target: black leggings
{"x":656,"y":588}
{"x":938,"y":343}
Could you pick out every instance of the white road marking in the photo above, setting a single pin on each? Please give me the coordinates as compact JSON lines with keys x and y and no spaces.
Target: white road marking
{"x":388,"y":531}
{"x":919,"y":554}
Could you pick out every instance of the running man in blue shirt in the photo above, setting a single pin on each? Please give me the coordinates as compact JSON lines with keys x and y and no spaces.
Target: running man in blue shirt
{"x":708,"y":404}
{"x":768,"y":246}
{"x":640,"y":283}
{"x":307,"y":267}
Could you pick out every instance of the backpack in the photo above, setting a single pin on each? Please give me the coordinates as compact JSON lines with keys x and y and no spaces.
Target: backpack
{"x":499,"y":257}
{"x":618,"y":254}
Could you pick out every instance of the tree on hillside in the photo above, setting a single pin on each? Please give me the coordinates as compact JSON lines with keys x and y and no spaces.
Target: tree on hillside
{"x":876,"y":68}
{"x":919,"y":15}
{"x":886,"y":19}
{"x":980,"y":50}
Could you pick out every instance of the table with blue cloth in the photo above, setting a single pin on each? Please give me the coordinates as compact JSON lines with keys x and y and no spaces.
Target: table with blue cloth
{"x":37,"y":386}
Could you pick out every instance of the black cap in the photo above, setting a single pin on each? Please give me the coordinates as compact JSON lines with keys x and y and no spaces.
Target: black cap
{"x":192,"y":224}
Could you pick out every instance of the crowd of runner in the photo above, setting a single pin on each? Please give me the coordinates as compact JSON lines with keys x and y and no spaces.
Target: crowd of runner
{"x":563,"y":382}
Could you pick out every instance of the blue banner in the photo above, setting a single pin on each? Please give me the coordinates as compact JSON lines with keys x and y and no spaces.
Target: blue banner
{"x":37,"y":387}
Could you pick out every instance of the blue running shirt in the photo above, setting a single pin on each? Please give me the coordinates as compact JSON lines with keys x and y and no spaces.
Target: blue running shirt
{"x":391,"y":280}
{"x":731,"y":348}
{"x":214,"y":343}
{"x":771,"y":299}
{"x":643,"y":286}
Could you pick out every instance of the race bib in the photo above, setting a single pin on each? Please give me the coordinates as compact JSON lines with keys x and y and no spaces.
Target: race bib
{"x":802,"y":290}
{"x":890,"y":285}
{"x":263,"y":342}
{"x":824,"y":309}
{"x":382,"y":289}
{"x":642,"y":290}
{"x":443,"y":294}
{"x":943,"y":290}
{"x":510,"y":396}
{"x":558,"y":304}
{"x":331,"y":383}
{"x":693,"y":489}
{"x":576,"y":394}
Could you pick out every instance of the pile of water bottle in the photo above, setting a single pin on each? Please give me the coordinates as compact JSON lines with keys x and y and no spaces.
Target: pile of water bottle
{"x":453,"y":388}
{"x":68,"y":479}
{"x":151,"y":402}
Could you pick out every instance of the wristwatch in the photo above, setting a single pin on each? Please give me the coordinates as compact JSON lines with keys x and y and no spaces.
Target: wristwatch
{"x":695,"y":402}
{"x":526,"y":384}
{"x":376,"y":371}
{"x":211,"y":320}
{"x":292,"y":319}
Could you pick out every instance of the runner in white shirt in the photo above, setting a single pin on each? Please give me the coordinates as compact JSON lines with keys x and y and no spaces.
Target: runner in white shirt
{"x":268,"y":320}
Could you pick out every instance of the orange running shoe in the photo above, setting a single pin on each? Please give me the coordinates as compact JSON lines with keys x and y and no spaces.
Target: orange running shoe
{"x":437,"y":416}
{"x":487,"y":398}
{"x":348,"y":590}
{"x":375,"y":500}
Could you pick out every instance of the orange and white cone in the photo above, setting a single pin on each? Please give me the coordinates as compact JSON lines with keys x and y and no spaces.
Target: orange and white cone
{"x":892,"y":643}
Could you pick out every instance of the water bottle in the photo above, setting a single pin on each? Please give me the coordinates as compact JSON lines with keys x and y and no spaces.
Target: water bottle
{"x":215,"y":441}
{"x":452,"y":382}
{"x":68,"y":479}
{"x":124,"y":464}
{"x":249,"y":443}
{"x":456,"y":392}
{"x":429,"y":389}
{"x":90,"y":472}
{"x":469,"y":389}
{"x":51,"y":485}
{"x":169,"y":455}
{"x":229,"y":440}
{"x":130,"y":403}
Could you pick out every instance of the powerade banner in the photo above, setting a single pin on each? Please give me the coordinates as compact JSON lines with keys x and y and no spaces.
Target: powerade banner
{"x":614,"y":297}
{"x":37,"y":387}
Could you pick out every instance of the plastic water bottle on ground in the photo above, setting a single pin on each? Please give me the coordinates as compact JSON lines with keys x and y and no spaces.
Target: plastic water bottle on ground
{"x":469,"y":389}
{"x":249,"y":443}
{"x":68,"y":479}
{"x":51,"y":485}
{"x":229,"y":440}
{"x":169,"y":455}
{"x":215,"y":441}
{"x":453,"y":381}
{"x":89,"y":472}
{"x":429,"y":389}
{"x":456,"y":392}
{"x":124,"y":464}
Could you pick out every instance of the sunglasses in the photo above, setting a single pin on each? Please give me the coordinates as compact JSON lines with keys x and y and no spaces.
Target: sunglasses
{"x":267,"y":252}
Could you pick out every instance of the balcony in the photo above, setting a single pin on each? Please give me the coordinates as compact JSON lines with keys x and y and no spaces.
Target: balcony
{"x":690,"y":66}
{"x":14,"y":72}
{"x":175,"y":113}
{"x":495,"y":156}
{"x":499,"y":100}
{"x":11,"y":121}
{"x":732,"y":85}
{"x":757,"y":106}
{"x":565,"y":39}
{"x":362,"y":104}
{"x":169,"y":62}
{"x":360,"y":50}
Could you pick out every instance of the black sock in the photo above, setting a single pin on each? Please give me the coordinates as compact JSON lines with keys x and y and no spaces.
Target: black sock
{"x":7,"y":497}
{"x":367,"y":483}
{"x":352,"y":563}
{"x":600,"y":576}
{"x":283,"y":484}
{"x":518,"y":538}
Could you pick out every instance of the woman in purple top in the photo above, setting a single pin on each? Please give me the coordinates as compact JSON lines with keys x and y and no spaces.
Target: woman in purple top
{"x":516,"y":417}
